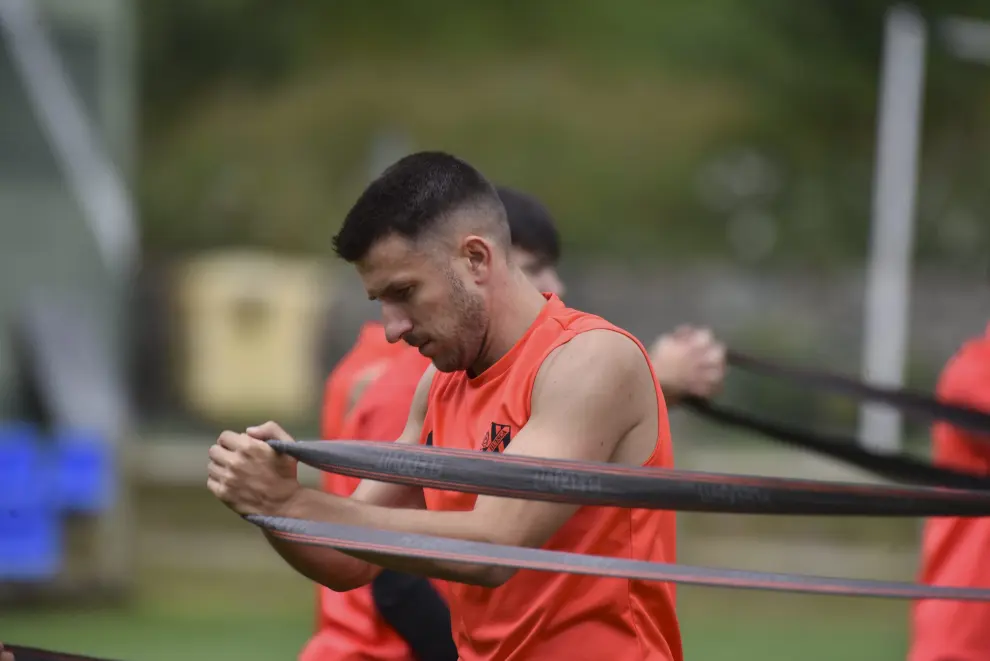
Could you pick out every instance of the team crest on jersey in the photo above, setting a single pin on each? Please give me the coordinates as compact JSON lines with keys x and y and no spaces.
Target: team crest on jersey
{"x":497,"y":438}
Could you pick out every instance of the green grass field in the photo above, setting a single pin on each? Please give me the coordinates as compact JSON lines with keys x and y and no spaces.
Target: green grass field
{"x":193,"y":617}
{"x":168,"y":637}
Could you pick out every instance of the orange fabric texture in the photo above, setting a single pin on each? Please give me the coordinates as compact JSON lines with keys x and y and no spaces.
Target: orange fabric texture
{"x":540,"y":615}
{"x":348,"y":627}
{"x":369,"y":348}
{"x":956,"y":551}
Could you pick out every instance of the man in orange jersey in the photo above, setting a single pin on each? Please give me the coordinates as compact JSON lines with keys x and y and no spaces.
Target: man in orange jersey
{"x":514,"y":371}
{"x":956,"y":551}
{"x":400,"y":617}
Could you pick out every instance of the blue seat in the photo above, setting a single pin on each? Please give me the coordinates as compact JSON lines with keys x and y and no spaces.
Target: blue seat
{"x":30,"y":544}
{"x":83,"y":466}
{"x":24,"y":479}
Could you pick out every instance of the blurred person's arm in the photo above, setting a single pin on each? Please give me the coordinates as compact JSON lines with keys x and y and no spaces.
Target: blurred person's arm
{"x":688,"y":362}
{"x":5,"y":656}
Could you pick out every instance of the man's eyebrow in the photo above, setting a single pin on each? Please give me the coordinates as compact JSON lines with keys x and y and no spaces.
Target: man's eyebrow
{"x":388,"y":289}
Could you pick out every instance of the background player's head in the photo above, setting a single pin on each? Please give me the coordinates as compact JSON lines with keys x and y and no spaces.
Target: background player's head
{"x":431,"y":242}
{"x":535,"y":240}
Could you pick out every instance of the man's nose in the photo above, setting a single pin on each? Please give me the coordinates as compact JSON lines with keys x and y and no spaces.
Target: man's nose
{"x":395,"y":322}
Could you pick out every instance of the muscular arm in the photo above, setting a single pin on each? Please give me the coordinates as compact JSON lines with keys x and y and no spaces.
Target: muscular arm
{"x":587,"y":397}
{"x":337,"y":570}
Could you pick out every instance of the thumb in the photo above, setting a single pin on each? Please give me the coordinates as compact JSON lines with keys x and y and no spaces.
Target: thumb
{"x":269,"y":431}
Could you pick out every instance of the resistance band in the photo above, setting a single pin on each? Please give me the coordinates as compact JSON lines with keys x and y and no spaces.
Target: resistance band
{"x":369,"y":540}
{"x":593,"y":483}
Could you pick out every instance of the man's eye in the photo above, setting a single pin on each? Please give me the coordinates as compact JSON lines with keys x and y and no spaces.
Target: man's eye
{"x":403,"y":294}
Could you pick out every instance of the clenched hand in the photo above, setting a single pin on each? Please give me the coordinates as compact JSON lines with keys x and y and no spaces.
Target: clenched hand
{"x":248,"y":476}
{"x":689,"y":361}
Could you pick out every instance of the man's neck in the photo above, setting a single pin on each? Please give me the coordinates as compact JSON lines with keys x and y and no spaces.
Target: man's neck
{"x":515,"y":309}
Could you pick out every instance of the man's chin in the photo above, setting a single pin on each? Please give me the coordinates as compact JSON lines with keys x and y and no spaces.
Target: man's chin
{"x":446,"y":362}
{"x":445,"y":366}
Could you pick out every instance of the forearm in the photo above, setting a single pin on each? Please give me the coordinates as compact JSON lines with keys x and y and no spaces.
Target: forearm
{"x":330,"y":568}
{"x":317,"y":506}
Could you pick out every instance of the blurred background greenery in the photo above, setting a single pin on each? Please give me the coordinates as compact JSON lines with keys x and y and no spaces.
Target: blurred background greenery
{"x":672,"y":117}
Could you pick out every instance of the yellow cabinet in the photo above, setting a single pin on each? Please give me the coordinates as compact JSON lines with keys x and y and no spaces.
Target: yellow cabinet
{"x":249,"y":328}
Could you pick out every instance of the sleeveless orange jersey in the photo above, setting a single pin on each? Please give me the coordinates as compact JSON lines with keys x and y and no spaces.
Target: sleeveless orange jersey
{"x":344,"y":631}
{"x":956,"y":550}
{"x":537,"y":616}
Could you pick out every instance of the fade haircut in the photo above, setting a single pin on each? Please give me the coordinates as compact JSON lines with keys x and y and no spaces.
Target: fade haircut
{"x":413,"y":198}
{"x":532,"y":227}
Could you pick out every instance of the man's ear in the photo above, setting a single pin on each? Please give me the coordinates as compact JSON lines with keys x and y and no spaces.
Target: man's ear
{"x":479,"y":254}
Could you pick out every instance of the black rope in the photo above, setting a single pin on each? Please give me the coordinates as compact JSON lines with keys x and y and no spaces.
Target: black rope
{"x":914,"y":403}
{"x":898,"y":468}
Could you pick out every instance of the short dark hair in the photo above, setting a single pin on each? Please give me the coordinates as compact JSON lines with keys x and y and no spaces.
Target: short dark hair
{"x":410,"y":198}
{"x":532,"y":227}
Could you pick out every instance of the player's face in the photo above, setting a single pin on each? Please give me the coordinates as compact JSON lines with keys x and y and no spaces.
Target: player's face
{"x":543,"y":275}
{"x":429,"y":300}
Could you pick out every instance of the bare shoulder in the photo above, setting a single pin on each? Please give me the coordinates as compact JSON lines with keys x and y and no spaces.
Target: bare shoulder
{"x":601,"y":367}
{"x":597,"y":391}
{"x":606,"y":353}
